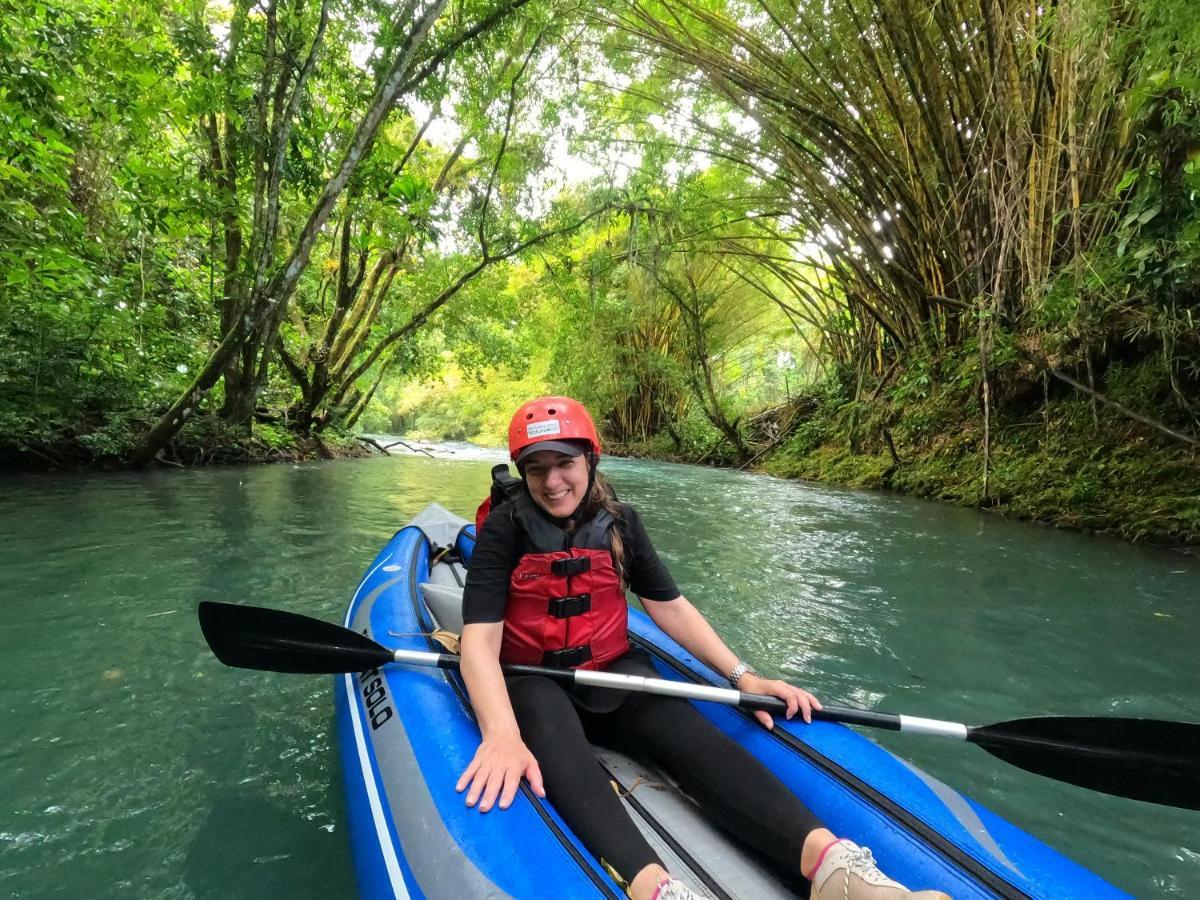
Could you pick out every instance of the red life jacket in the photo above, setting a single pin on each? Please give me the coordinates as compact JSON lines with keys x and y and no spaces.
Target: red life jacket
{"x":566,"y":606}
{"x":481,"y":514}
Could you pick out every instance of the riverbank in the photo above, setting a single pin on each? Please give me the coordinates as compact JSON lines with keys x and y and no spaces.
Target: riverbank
{"x":204,"y":441}
{"x":1055,"y":460}
{"x":1052,"y":459}
{"x":1061,"y":471}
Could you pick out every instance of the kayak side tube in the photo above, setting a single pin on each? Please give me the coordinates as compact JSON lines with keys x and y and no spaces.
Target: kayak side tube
{"x":923,"y":832}
{"x":406,"y":734}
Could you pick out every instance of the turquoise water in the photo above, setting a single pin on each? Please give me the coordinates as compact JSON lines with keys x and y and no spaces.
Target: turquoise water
{"x":135,"y":765}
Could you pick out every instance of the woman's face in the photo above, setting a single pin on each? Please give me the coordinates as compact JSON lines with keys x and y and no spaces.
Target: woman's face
{"x":557,"y":482}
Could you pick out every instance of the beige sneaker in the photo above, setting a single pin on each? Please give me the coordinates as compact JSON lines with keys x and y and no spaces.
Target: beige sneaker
{"x":848,"y":872}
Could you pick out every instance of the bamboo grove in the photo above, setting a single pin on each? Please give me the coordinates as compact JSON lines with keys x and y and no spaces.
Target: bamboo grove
{"x":952,"y":159}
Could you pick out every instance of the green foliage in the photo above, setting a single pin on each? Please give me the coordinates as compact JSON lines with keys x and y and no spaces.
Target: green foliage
{"x":112,"y":438}
{"x":273,"y":436}
{"x":691,"y":439}
{"x":455,"y":406}
{"x":1136,"y":291}
{"x":1142,"y":385}
{"x":132,"y":211}
{"x":97,"y":268}
{"x":807,"y":437}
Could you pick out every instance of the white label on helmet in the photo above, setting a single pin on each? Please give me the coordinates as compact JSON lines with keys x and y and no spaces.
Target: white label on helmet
{"x":541,"y":429}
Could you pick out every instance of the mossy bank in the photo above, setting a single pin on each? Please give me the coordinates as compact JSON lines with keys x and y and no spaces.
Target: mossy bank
{"x":205,"y":440}
{"x":1052,"y":454}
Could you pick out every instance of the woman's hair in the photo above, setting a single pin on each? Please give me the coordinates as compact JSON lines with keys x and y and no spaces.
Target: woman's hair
{"x":601,"y":496}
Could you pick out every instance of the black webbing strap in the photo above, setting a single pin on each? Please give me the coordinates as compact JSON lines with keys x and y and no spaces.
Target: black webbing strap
{"x":565,"y":607}
{"x":574,"y":565}
{"x":568,"y":658}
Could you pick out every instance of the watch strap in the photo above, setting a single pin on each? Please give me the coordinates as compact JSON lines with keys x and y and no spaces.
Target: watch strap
{"x":738,"y":671}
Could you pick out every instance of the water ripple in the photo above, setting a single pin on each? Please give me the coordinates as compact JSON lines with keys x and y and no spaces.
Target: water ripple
{"x":146,"y":765}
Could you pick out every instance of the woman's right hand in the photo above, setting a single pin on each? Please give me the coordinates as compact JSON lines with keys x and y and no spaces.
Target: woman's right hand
{"x":497,"y":769}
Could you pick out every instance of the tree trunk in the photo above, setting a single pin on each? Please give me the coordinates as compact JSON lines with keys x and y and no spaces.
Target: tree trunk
{"x":241,"y":388}
{"x":258,"y":327}
{"x":182,"y":409}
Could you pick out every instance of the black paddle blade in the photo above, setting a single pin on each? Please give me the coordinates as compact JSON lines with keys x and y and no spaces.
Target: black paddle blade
{"x":251,"y":637}
{"x":1145,"y":759}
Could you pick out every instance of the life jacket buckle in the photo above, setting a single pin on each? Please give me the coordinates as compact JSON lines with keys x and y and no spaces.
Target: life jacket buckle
{"x":573,"y":565}
{"x":567,"y":658}
{"x":574,"y":605}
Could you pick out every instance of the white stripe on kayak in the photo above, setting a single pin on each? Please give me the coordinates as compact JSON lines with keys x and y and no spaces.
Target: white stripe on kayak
{"x":381,"y":828}
{"x":917,"y":725}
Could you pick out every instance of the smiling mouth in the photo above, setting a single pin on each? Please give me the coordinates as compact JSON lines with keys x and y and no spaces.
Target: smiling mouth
{"x":554,"y":498}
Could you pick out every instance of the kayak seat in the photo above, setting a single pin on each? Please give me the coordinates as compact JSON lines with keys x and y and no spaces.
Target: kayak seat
{"x":443,"y":595}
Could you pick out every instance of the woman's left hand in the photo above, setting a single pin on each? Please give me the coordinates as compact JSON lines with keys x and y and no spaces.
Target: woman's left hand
{"x":797,"y":699}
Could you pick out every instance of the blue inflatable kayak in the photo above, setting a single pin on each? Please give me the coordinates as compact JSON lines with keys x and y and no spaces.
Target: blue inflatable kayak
{"x":407,"y":733}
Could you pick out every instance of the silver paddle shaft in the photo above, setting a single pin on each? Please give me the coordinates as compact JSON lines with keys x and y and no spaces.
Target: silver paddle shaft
{"x":726,"y":696}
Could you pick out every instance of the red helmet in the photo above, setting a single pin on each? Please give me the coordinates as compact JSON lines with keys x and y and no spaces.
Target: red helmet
{"x":550,"y":421}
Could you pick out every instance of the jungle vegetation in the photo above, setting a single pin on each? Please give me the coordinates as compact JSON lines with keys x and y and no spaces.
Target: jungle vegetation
{"x":949,"y":247}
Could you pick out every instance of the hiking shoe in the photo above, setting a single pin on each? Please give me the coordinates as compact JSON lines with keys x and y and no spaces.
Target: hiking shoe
{"x":674,"y":889}
{"x":848,"y":872}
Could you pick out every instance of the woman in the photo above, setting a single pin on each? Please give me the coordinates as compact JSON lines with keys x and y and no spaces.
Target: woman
{"x":564,"y":546}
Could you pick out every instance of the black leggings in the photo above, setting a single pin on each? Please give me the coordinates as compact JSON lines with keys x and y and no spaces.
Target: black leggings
{"x":729,"y":783}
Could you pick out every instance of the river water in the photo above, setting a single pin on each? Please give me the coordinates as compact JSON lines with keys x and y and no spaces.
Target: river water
{"x":133,"y":764}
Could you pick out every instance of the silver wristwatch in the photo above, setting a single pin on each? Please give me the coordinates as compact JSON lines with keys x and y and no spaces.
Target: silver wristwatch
{"x":738,"y":671}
